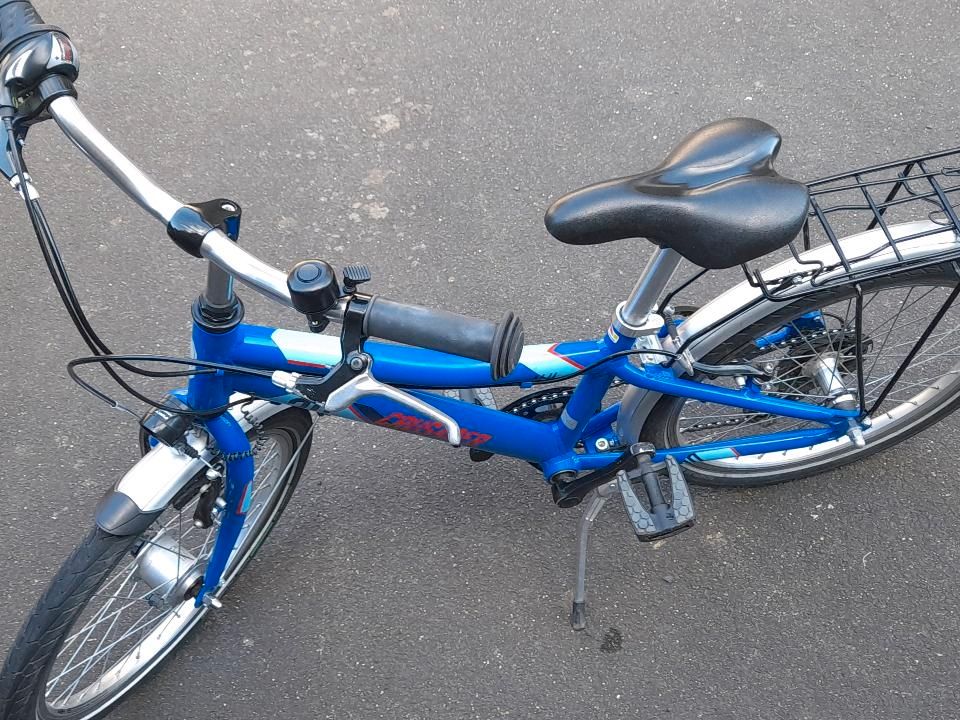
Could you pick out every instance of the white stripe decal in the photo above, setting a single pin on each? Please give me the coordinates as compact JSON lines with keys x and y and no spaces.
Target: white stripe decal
{"x":300,"y":348}
{"x":544,"y":363}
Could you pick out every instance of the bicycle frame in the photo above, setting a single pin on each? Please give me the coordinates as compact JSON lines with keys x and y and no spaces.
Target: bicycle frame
{"x":552,"y":445}
{"x":567,"y":444}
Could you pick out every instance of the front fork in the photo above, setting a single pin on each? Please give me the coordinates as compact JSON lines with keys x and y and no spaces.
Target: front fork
{"x":234,"y":448}
{"x":212,"y":337}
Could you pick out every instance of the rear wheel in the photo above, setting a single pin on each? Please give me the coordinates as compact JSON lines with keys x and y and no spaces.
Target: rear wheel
{"x":792,"y":341}
{"x":106,"y":620}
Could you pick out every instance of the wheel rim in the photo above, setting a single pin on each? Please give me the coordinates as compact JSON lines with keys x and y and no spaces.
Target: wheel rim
{"x":119,"y":635}
{"x":894,"y":318}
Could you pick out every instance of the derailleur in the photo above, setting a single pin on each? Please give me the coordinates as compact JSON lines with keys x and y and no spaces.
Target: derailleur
{"x":315,"y":291}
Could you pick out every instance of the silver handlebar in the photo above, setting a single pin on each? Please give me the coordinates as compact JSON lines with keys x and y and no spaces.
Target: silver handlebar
{"x":222,"y":251}
{"x":216,"y":247}
{"x":113,"y":163}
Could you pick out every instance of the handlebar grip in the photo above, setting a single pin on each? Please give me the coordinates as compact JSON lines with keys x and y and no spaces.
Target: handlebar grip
{"x":499,"y":344}
{"x":19,"y":20}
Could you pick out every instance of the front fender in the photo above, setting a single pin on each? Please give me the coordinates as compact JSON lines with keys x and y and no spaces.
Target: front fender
{"x":743,"y":305}
{"x":132,"y":505}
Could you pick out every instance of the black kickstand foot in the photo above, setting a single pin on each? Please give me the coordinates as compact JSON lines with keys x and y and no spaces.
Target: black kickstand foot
{"x":578,"y":616}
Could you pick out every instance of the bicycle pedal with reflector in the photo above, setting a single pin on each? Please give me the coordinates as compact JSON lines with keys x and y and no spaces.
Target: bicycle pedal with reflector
{"x":659,"y":518}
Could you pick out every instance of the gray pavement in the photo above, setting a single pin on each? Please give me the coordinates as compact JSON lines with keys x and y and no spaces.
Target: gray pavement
{"x":426,"y":139}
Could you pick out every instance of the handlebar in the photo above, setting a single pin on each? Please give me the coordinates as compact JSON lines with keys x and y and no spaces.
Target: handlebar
{"x":499,"y":344}
{"x":38,"y":61}
{"x":216,"y":246}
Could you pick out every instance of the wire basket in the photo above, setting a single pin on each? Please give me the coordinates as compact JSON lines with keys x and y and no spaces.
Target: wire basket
{"x":875,"y":221}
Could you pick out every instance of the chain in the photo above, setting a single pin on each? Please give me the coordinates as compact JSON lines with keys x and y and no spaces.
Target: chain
{"x":527,"y":405}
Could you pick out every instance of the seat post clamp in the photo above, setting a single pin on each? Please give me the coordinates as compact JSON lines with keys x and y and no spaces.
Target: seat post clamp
{"x":651,"y":325}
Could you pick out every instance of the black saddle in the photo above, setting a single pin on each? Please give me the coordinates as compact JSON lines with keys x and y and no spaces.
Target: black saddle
{"x":716,"y":200}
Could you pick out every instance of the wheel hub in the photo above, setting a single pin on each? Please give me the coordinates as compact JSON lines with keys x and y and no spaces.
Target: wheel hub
{"x":827,"y":373}
{"x":172,"y":572}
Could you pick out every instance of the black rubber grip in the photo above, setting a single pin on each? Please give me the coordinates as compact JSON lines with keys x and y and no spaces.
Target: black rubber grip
{"x":499,"y":343}
{"x":19,"y":20}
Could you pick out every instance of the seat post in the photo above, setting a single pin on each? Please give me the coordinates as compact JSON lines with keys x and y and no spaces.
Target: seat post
{"x":633,"y":312}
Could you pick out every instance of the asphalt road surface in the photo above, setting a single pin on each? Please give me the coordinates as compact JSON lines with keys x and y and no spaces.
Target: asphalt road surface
{"x":426,"y":139}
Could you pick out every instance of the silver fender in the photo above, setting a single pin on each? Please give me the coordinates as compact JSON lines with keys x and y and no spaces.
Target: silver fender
{"x":146,"y":489}
{"x":751,"y":306}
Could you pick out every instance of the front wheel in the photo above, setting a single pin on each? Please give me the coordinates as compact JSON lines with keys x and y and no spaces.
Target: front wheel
{"x":796,"y":339}
{"x":107,"y":620}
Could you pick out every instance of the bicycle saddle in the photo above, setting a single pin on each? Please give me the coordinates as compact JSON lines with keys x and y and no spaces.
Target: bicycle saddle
{"x":716,"y":200}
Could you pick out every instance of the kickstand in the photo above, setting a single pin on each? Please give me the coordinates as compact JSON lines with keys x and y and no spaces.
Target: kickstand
{"x":592,"y":504}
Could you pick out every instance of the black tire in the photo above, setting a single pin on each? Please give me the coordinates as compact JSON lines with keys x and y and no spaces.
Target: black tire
{"x":25,"y":672}
{"x":660,"y":426}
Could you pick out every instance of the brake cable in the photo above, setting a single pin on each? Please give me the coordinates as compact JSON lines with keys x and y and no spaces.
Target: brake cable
{"x":61,"y":281}
{"x":197,"y":367}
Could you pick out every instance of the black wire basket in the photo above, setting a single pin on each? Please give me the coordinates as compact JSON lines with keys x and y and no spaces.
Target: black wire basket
{"x":870,"y":223}
{"x":888,"y":208}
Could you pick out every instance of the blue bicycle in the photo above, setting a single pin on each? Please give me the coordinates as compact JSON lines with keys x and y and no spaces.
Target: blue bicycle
{"x":843,"y":345}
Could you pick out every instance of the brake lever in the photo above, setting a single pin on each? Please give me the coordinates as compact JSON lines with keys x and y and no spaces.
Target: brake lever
{"x":364,"y":384}
{"x":351,"y":378}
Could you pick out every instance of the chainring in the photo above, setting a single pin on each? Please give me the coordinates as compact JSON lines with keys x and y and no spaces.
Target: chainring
{"x":543,"y":406}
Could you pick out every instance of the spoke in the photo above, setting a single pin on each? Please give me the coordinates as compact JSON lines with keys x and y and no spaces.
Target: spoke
{"x":717,"y":415}
{"x":118,"y":576}
{"x":719,"y":433}
{"x":913,"y":366}
{"x":133,"y":630}
{"x":796,"y":391}
{"x":816,"y":353}
{"x":904,"y":306}
{"x":911,"y":343}
{"x":96,"y":620}
{"x":836,"y":349}
{"x":89,"y":663}
{"x":922,"y":384}
{"x":893,"y":326}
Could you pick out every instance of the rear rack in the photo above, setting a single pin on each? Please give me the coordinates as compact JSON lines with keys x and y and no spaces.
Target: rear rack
{"x":879,"y":213}
{"x":879,"y":221}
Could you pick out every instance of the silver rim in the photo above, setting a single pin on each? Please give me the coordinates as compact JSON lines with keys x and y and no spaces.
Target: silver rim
{"x":122,"y":633}
{"x":894,"y":319}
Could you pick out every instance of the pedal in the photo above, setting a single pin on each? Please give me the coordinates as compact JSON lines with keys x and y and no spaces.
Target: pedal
{"x":663,"y":518}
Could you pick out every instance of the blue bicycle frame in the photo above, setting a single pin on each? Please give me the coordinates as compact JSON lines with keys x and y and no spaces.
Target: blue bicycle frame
{"x":567,"y":444}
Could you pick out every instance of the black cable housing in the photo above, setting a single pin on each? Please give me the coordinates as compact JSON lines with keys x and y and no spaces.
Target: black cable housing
{"x":61,"y":281}
{"x":197,"y":367}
